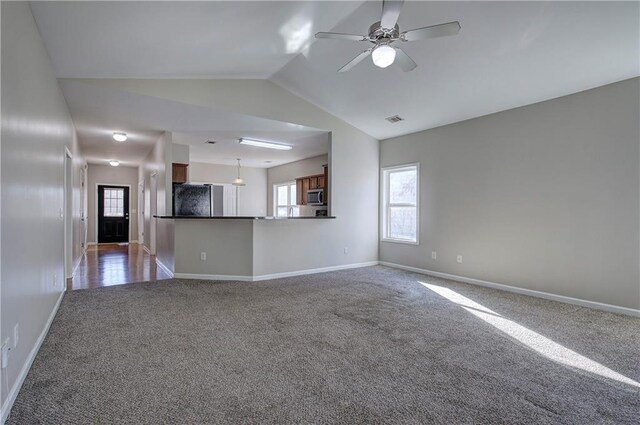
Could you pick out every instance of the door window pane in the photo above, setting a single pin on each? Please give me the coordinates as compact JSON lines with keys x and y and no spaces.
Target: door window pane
{"x":113,"y":203}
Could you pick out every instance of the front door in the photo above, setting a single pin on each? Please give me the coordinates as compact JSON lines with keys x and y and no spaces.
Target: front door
{"x":113,"y":214}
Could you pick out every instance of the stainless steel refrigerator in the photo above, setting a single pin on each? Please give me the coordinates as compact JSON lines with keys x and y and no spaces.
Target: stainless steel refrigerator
{"x":198,"y":199}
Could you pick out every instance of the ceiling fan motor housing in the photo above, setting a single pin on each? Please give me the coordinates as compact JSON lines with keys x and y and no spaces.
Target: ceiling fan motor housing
{"x":377,"y":33}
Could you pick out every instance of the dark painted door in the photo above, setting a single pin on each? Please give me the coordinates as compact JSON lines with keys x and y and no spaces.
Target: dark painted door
{"x":113,"y":214}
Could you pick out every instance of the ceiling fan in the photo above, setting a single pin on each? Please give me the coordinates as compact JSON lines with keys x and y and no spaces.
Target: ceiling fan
{"x":385,"y":32}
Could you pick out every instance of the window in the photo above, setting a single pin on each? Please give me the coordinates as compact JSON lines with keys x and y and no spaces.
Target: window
{"x":113,"y":203}
{"x":400,"y":203}
{"x":284,"y":200}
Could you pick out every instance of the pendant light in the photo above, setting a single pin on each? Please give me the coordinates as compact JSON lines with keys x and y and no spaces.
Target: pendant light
{"x":238,"y":181}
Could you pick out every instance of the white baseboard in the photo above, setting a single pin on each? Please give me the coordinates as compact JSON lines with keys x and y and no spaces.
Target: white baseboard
{"x":245,"y":278}
{"x":15,"y":389}
{"x":134,"y":241}
{"x":240,"y":278}
{"x":91,"y":243}
{"x":164,"y":268}
{"x":523,"y":291}
{"x":314,"y":271}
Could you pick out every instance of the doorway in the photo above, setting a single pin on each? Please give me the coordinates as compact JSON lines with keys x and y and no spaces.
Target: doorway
{"x":113,"y":214}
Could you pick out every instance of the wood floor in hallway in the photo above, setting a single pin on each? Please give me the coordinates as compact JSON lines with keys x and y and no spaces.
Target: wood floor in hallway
{"x":115,"y":264}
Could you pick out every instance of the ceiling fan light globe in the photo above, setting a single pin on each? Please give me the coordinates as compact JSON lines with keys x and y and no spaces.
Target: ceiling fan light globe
{"x":383,"y":56}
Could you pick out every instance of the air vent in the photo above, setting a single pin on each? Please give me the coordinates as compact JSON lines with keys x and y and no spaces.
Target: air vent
{"x":211,"y":142}
{"x":394,"y":119}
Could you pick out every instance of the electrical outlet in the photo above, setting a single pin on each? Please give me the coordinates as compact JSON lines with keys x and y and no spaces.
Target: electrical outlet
{"x":16,"y":335}
{"x":203,"y":256}
{"x":434,"y":255}
{"x":346,"y":250}
{"x":459,"y":259}
{"x":5,"y":353}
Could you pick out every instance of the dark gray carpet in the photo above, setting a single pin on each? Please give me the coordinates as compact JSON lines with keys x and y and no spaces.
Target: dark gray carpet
{"x":359,"y":346}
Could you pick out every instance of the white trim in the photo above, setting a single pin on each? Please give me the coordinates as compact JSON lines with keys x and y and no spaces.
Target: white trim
{"x":244,"y":278}
{"x":134,"y":241}
{"x":91,"y":243}
{"x":11,"y":397}
{"x":384,"y":171}
{"x":523,"y":291}
{"x":164,"y":268}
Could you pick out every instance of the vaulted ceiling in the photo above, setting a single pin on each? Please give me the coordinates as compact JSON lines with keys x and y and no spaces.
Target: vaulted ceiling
{"x":507,"y":54}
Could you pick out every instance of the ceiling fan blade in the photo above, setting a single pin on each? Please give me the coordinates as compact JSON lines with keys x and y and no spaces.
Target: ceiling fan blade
{"x":356,"y":60}
{"x":390,"y":13}
{"x":440,"y":30}
{"x":406,"y":63}
{"x":340,"y":36}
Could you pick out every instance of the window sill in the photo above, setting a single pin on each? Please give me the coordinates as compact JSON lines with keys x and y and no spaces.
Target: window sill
{"x":401,"y":241}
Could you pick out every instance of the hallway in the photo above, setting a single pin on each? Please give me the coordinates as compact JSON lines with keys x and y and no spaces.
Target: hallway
{"x":115,"y":264}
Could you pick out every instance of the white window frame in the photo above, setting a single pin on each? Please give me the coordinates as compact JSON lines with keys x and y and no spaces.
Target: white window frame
{"x":290,"y":202}
{"x":384,"y":204}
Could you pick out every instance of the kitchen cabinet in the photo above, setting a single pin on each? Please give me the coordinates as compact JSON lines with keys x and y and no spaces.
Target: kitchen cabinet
{"x":179,"y":173}
{"x":305,"y":184}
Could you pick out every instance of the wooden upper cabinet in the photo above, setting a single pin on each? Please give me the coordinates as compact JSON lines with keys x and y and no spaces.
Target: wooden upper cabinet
{"x":300,"y":200}
{"x":179,"y":173}
{"x":305,"y":184}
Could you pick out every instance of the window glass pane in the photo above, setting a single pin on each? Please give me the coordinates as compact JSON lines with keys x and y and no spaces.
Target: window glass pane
{"x":295,"y":211}
{"x":402,"y":187}
{"x":292,"y":189}
{"x":281,"y":212}
{"x":113,"y":203}
{"x":282,"y":195}
{"x":402,"y":223}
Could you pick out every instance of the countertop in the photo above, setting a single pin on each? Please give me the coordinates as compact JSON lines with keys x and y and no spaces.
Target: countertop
{"x":250,"y":217}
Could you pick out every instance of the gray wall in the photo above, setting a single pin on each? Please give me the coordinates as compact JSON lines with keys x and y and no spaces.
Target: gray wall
{"x":252,"y":197}
{"x":543,"y":197}
{"x":158,"y":162}
{"x":289,"y":172}
{"x":228,"y":245}
{"x":106,"y":174}
{"x":36,"y":127}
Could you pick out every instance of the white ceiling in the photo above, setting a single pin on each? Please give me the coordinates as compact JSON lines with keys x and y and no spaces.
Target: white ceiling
{"x":306,"y":144}
{"x":508,"y":54}
{"x":155,"y":39}
{"x":99,"y":110}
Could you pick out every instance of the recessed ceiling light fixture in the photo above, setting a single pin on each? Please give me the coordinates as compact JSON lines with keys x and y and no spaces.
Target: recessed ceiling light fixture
{"x":119,"y":136}
{"x":114,"y":163}
{"x":263,"y":144}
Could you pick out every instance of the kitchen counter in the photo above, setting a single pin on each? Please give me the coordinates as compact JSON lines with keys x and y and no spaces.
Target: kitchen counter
{"x":206,"y":217}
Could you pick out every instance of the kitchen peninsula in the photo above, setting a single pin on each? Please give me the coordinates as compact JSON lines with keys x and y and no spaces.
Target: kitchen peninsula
{"x":244,"y":248}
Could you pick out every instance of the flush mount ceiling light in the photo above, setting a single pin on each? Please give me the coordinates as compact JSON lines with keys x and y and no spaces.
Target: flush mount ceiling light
{"x":119,"y":136}
{"x":114,"y":163}
{"x":238,"y":180}
{"x":383,"y":55}
{"x":263,"y":144}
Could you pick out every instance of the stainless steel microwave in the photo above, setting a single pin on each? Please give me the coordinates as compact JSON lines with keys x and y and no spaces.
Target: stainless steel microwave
{"x":315,"y":197}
